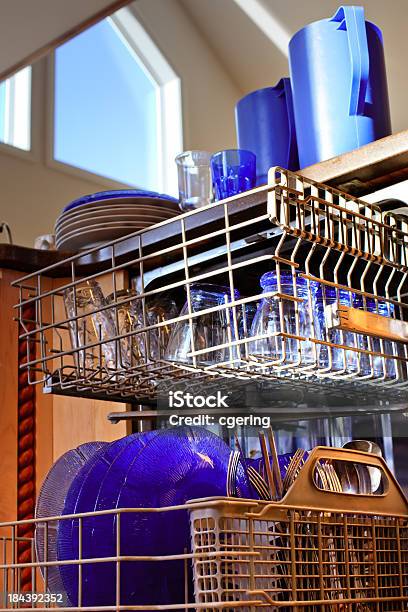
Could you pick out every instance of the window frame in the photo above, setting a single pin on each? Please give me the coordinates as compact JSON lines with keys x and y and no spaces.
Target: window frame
{"x":170,"y":121}
{"x":33,"y":153}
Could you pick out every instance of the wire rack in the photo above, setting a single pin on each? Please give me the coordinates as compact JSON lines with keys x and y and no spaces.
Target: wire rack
{"x":325,"y":240}
{"x":316,"y":550}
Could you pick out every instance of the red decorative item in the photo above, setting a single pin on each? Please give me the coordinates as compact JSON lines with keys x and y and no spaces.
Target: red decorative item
{"x":26,"y":453}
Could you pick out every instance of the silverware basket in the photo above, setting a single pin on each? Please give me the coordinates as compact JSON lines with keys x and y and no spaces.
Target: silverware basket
{"x":315,"y":551}
{"x":334,"y":271}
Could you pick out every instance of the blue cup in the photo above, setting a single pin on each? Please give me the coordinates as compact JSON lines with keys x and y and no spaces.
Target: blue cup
{"x":266,"y":125}
{"x":233,"y":172}
{"x":340,"y":96}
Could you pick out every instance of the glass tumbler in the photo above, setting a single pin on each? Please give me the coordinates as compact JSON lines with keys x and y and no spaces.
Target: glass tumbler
{"x":331,"y":358}
{"x":233,"y":171}
{"x":90,"y":327}
{"x":380,"y":366}
{"x":206,"y":331}
{"x":194,"y":179}
{"x":275,"y":316}
{"x":126,"y":313}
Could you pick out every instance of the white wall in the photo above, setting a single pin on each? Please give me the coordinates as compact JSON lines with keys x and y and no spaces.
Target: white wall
{"x":209,"y":94}
{"x":32,"y":193}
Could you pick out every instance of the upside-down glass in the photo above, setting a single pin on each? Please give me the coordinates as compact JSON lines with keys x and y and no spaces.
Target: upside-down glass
{"x":233,"y":171}
{"x":206,"y":331}
{"x":331,"y":358}
{"x":381,"y":366}
{"x":358,"y":361}
{"x":276,"y":316}
{"x":126,"y":314}
{"x":194,"y":179}
{"x":90,"y":328}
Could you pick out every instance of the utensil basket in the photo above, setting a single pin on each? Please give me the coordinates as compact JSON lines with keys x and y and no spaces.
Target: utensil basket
{"x":313,"y":551}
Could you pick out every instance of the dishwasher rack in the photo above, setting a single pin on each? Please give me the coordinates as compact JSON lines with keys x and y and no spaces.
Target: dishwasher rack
{"x":313,"y":551}
{"x":312,"y":231}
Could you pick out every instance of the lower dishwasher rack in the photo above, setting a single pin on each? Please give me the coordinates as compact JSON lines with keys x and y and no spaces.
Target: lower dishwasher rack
{"x":315,"y":551}
{"x":327,"y":243}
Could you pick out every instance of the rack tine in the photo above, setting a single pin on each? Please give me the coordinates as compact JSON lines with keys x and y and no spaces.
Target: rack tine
{"x":267,"y":462}
{"x":275,"y":462}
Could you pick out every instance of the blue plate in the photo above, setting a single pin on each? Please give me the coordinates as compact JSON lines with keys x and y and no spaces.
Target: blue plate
{"x":51,"y":501}
{"x":83,"y":495}
{"x":174,"y":466}
{"x":100,"y":196}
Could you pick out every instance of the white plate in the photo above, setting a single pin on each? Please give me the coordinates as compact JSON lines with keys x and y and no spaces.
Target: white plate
{"x":83,"y":224}
{"x":126,"y":226}
{"x":94,"y":237}
{"x":115,"y":211}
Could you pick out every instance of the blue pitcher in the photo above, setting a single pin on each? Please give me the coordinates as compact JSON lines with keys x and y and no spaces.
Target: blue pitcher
{"x":339,"y":85}
{"x":266,"y":126}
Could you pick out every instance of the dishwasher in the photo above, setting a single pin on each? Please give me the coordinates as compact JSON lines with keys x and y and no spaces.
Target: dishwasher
{"x":288,"y":304}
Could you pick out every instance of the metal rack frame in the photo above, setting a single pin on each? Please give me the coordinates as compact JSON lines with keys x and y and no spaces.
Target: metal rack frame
{"x":315,"y":231}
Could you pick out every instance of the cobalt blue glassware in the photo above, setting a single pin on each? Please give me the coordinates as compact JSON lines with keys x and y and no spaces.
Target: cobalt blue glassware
{"x":266,"y":126}
{"x":100,"y":196}
{"x":339,"y":84}
{"x":155,"y":469}
{"x":276,"y":316}
{"x":51,"y":501}
{"x":233,"y":171}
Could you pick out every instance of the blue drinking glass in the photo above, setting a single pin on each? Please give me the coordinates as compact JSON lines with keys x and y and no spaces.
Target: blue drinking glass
{"x":233,"y":171}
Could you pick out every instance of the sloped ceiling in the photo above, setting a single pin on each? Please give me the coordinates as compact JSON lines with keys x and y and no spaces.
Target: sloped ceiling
{"x":254,"y":61}
{"x":30,"y":28}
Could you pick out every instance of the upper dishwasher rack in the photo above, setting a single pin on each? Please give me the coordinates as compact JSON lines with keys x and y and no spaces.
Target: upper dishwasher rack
{"x":329,"y":239}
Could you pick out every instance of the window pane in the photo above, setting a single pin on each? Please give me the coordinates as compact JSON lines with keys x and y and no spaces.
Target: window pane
{"x":15,"y":110}
{"x":106,"y":108}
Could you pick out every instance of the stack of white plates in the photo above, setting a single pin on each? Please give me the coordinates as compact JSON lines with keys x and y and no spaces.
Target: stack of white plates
{"x":98,"y":218}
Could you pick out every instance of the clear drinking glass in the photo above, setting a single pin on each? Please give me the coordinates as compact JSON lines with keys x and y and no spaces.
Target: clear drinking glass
{"x":276,"y":316}
{"x":206,"y":331}
{"x":159,"y":310}
{"x":126,"y":313}
{"x":233,"y":171}
{"x":381,"y":367}
{"x":90,"y":327}
{"x":194,"y":179}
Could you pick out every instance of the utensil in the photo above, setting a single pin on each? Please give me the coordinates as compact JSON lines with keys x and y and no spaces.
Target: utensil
{"x":233,"y":171}
{"x":293,"y":469}
{"x":374,"y":474}
{"x":267,"y":464}
{"x":194,"y":179}
{"x":275,"y":462}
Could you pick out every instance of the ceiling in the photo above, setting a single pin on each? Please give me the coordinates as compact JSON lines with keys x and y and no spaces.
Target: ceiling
{"x":254,"y":61}
{"x":29,"y":28}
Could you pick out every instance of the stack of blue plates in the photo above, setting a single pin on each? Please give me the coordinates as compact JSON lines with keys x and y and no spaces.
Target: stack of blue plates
{"x":100,"y":217}
{"x":149,"y":470}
